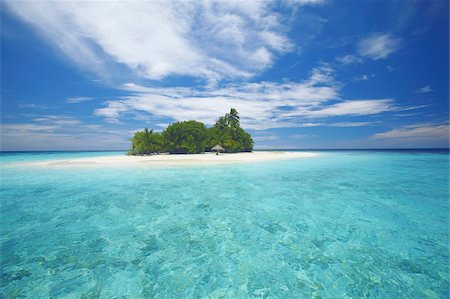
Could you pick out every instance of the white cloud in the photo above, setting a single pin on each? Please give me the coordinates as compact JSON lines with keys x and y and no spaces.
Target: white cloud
{"x":25,"y":128}
{"x":78,"y":100}
{"x":309,"y":125}
{"x":57,"y":120}
{"x":425,"y":89}
{"x":412,"y":107}
{"x":354,"y":107}
{"x":265,"y":138}
{"x":378,"y":46}
{"x":364,"y":77}
{"x":262,"y":105}
{"x":324,"y":74}
{"x":33,"y":106}
{"x":275,"y":147}
{"x":351,"y":124}
{"x":80,"y":140}
{"x":417,"y":133}
{"x":298,"y":136}
{"x":51,"y":132}
{"x":303,"y":2}
{"x":209,"y":39}
{"x":349,"y":59}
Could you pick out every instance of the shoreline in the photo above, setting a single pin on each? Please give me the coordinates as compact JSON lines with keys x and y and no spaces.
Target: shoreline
{"x":173,"y":159}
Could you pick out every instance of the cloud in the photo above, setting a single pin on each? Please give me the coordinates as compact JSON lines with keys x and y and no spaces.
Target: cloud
{"x":412,"y":107}
{"x":378,"y":46}
{"x":265,"y":138}
{"x":57,"y":120}
{"x":26,"y":128}
{"x":33,"y":106}
{"x":212,"y":40}
{"x":349,"y":59}
{"x":324,"y":74}
{"x":362,"y":77}
{"x":298,"y":136}
{"x":78,"y":100}
{"x":390,"y":68}
{"x":425,"y":89}
{"x":424,"y":133}
{"x":262,"y":105}
{"x":49,"y":132}
{"x":309,"y":125}
{"x":351,"y":124}
{"x":303,"y":2}
{"x":354,"y":107}
{"x":79,"y":140}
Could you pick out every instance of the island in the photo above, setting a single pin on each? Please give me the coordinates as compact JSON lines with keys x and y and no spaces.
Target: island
{"x":191,"y":140}
{"x":193,"y":137}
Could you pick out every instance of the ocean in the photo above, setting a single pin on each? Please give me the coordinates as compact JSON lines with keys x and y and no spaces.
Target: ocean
{"x":344,"y":224}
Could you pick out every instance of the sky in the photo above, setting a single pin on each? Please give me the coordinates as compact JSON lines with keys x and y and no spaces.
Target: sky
{"x":303,"y":74}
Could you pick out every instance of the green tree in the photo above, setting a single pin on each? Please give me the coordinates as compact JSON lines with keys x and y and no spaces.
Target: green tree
{"x":228,"y":133}
{"x":245,"y":140}
{"x":193,"y":137}
{"x":146,"y":142}
{"x":222,"y":122}
{"x":218,"y":135}
{"x":186,"y":137}
{"x":232,"y":118}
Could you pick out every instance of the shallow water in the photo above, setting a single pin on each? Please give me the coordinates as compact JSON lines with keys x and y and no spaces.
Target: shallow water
{"x":343,"y":224}
{"x":17,"y":157}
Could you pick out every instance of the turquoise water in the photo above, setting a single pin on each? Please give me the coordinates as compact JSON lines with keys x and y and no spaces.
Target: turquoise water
{"x":341,"y":225}
{"x":15,"y":157}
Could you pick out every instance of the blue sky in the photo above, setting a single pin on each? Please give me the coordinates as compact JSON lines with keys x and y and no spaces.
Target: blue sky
{"x":302,"y":74}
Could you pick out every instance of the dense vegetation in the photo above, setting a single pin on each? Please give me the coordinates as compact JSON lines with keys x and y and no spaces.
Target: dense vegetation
{"x":193,"y":137}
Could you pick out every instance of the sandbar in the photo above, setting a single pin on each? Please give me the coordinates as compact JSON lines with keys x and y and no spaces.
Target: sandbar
{"x":173,"y":160}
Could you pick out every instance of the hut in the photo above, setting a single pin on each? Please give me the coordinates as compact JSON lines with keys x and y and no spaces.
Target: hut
{"x":217,"y":148}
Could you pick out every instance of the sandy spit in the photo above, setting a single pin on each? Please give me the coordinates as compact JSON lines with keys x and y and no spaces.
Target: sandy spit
{"x":173,"y":160}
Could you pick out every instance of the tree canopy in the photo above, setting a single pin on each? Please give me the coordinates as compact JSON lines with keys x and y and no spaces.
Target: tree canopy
{"x":192,"y":137}
{"x":146,"y":142}
{"x":186,"y":137}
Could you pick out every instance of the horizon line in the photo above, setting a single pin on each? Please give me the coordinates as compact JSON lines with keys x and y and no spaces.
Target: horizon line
{"x":258,"y":149}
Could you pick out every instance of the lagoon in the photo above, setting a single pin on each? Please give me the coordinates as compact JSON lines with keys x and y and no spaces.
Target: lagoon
{"x":339,"y":224}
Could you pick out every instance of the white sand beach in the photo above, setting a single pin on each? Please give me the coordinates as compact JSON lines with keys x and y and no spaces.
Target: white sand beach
{"x":173,"y":160}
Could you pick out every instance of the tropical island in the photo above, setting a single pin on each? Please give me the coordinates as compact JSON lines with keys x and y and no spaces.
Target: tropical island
{"x":193,"y":137}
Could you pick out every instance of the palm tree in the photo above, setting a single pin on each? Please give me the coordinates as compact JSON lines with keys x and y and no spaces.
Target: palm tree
{"x":233,"y":118}
{"x":222,"y":123}
{"x":221,"y":129}
{"x":147,"y":140}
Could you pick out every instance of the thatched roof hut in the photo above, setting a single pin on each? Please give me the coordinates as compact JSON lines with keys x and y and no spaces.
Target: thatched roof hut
{"x":217,"y":148}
